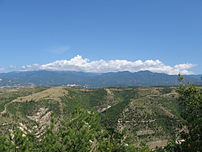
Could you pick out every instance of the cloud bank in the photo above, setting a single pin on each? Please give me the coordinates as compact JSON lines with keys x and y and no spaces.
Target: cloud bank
{"x":78,"y":63}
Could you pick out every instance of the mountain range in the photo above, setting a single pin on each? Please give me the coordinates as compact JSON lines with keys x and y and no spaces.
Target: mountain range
{"x":93,"y":80}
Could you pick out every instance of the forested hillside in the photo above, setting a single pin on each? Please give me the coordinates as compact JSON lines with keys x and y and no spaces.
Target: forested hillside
{"x":150,"y":116}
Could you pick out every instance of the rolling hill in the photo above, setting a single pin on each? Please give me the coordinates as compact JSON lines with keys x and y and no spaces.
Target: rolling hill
{"x":147,"y":114}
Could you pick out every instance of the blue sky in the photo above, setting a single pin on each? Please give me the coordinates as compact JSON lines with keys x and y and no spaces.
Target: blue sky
{"x":43,"y":31}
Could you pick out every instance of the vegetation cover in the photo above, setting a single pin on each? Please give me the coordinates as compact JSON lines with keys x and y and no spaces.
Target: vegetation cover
{"x":81,"y":134}
{"x":111,"y":119}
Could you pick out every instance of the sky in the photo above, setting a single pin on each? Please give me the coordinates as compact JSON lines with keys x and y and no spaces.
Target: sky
{"x":101,"y":35}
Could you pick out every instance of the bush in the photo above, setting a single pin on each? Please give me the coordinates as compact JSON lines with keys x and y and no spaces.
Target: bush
{"x":83,"y":133}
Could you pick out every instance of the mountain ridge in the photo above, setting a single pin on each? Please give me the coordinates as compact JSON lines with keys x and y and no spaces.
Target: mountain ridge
{"x":92,"y":80}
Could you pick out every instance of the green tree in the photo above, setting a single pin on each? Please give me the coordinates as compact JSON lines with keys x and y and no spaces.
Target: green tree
{"x":5,"y":144}
{"x":191,"y":102}
{"x":50,"y":140}
{"x":82,"y":133}
{"x":190,"y":98}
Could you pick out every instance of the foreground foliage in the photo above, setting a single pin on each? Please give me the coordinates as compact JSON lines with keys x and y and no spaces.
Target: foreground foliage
{"x":83,"y":133}
{"x":190,"y":98}
{"x":191,"y":101}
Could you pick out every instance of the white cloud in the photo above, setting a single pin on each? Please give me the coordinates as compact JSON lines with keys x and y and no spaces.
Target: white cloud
{"x":30,"y":67}
{"x":78,"y":63}
{"x":184,"y":66}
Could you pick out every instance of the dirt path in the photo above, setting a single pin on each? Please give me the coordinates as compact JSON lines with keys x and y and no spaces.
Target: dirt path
{"x":5,"y":108}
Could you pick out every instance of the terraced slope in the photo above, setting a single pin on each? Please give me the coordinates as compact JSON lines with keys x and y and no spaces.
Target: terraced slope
{"x":147,"y":114}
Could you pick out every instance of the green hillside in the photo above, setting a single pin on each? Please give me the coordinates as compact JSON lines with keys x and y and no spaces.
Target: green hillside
{"x":146,"y":114}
